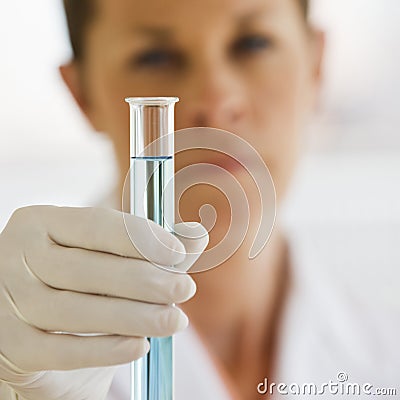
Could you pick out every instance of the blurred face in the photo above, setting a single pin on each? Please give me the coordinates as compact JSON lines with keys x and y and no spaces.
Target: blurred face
{"x":246,"y":66}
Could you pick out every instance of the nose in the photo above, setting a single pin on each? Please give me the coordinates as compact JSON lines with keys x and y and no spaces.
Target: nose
{"x":216,"y":99}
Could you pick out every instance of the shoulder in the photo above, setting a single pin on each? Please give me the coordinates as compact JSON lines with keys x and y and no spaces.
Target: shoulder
{"x":358,"y":259}
{"x":343,"y":306}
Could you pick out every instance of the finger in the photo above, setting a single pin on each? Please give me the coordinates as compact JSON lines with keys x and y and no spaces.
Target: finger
{"x":31,"y":349}
{"x":63,"y":311}
{"x":93,"y":272}
{"x":112,"y":232}
{"x":195,"y":239}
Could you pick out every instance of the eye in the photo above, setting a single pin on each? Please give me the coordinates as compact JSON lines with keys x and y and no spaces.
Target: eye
{"x":251,"y":44}
{"x":157,"y":58}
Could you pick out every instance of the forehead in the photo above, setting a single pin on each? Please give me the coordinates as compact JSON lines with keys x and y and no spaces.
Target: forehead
{"x":184,"y":13}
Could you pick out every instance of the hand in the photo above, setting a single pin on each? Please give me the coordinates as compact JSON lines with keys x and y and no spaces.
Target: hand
{"x":70,"y":271}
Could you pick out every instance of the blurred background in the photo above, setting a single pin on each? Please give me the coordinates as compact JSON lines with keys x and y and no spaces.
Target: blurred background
{"x":351,"y":171}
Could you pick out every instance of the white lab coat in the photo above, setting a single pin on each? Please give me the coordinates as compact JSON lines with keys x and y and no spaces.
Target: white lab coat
{"x":342,"y":315}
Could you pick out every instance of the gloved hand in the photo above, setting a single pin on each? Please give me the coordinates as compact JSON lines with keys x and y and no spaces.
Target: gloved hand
{"x":70,"y":271}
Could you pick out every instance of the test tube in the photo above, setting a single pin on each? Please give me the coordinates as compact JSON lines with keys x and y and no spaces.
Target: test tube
{"x":152,"y":197}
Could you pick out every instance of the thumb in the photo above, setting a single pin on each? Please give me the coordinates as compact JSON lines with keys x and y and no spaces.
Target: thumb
{"x":195,"y":239}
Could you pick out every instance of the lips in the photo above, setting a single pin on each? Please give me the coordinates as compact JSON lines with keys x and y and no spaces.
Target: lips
{"x":225,"y":162}
{"x":237,"y":163}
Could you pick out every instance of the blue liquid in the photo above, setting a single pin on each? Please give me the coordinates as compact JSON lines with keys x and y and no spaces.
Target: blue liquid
{"x":152,"y":197}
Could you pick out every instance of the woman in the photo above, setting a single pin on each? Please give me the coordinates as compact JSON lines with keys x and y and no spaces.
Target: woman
{"x":250,"y":67}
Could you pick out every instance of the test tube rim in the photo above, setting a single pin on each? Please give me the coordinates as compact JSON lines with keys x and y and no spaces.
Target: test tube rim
{"x":151,"y":101}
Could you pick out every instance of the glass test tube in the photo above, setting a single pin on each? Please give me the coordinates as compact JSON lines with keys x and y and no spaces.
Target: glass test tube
{"x":152,"y":197}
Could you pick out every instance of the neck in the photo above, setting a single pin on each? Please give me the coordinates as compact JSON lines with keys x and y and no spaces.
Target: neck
{"x":235,"y":305}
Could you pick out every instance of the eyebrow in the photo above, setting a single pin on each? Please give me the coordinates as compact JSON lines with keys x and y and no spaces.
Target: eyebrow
{"x":244,"y":20}
{"x":155,"y":32}
{"x":162,"y":33}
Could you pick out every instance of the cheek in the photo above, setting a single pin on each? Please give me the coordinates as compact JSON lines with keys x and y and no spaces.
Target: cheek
{"x":278,"y":105}
{"x":109,"y":109}
{"x":105,"y":98}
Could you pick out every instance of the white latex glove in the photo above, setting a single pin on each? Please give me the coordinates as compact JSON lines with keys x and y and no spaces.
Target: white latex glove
{"x":75,"y":270}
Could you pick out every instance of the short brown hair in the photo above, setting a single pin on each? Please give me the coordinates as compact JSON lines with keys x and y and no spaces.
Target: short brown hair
{"x":79,"y":14}
{"x":305,"y":5}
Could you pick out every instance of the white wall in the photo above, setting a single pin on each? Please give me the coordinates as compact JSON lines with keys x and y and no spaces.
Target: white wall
{"x":362,"y":85}
{"x":49,"y":155}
